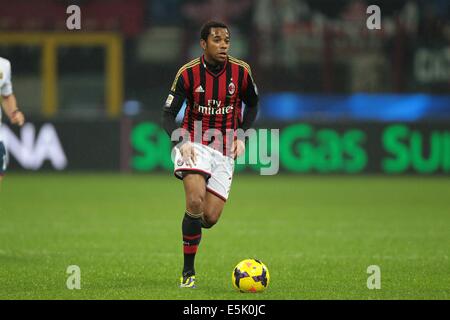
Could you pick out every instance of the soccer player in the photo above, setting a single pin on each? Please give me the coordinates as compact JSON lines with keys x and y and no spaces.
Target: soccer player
{"x":9,"y":105}
{"x":214,"y":87}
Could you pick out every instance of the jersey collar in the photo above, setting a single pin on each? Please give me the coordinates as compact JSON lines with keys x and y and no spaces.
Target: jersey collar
{"x":205,"y":65}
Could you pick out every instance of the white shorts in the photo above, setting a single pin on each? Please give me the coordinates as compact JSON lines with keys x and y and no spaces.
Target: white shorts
{"x":217,"y":168}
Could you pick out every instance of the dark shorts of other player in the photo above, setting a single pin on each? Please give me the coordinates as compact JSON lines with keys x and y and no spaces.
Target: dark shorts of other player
{"x":3,"y":159}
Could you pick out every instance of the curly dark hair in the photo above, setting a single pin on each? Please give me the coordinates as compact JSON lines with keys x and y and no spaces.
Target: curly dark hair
{"x":206,"y":28}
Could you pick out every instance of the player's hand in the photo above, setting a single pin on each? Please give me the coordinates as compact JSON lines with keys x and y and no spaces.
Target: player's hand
{"x":18,"y":118}
{"x":188,"y":154}
{"x":238,"y":148}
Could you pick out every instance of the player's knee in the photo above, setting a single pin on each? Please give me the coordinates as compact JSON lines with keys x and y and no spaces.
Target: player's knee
{"x":195,"y":203}
{"x":211,"y":219}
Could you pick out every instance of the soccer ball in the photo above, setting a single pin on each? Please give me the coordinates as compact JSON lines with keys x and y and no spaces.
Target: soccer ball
{"x":250,"y":275}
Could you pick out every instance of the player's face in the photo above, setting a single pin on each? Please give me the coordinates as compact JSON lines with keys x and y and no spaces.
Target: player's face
{"x":216,"y":48}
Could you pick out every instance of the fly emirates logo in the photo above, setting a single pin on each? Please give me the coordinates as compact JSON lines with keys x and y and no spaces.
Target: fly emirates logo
{"x":214,"y":107}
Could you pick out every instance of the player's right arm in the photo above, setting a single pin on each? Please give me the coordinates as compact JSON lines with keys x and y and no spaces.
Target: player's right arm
{"x":172,"y":106}
{"x":12,"y":111}
{"x":9,"y":102}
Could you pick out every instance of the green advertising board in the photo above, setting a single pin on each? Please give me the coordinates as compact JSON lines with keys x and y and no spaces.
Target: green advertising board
{"x":322,"y":148}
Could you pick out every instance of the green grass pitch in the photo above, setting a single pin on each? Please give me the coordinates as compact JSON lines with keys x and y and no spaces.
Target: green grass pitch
{"x":316,"y":234}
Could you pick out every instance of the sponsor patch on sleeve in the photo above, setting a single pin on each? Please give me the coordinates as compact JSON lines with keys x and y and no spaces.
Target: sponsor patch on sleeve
{"x":169,"y":101}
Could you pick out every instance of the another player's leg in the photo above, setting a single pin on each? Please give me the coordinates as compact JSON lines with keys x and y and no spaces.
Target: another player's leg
{"x":195,"y":189}
{"x":3,"y":161}
{"x":212,"y":210}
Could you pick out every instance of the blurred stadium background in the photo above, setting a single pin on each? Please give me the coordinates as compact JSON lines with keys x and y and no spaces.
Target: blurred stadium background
{"x":348,"y":101}
{"x":315,"y":63}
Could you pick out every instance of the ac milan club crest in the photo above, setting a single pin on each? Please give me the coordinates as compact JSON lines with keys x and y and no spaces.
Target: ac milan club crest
{"x":231,"y":88}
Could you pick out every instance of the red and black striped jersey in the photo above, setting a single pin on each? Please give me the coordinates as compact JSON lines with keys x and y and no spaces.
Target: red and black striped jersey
{"x":213,"y":98}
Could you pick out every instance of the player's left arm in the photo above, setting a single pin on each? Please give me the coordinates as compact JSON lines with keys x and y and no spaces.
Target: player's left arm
{"x":251,"y":99}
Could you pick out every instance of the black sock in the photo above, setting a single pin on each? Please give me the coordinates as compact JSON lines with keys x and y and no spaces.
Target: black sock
{"x":192,"y":234}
